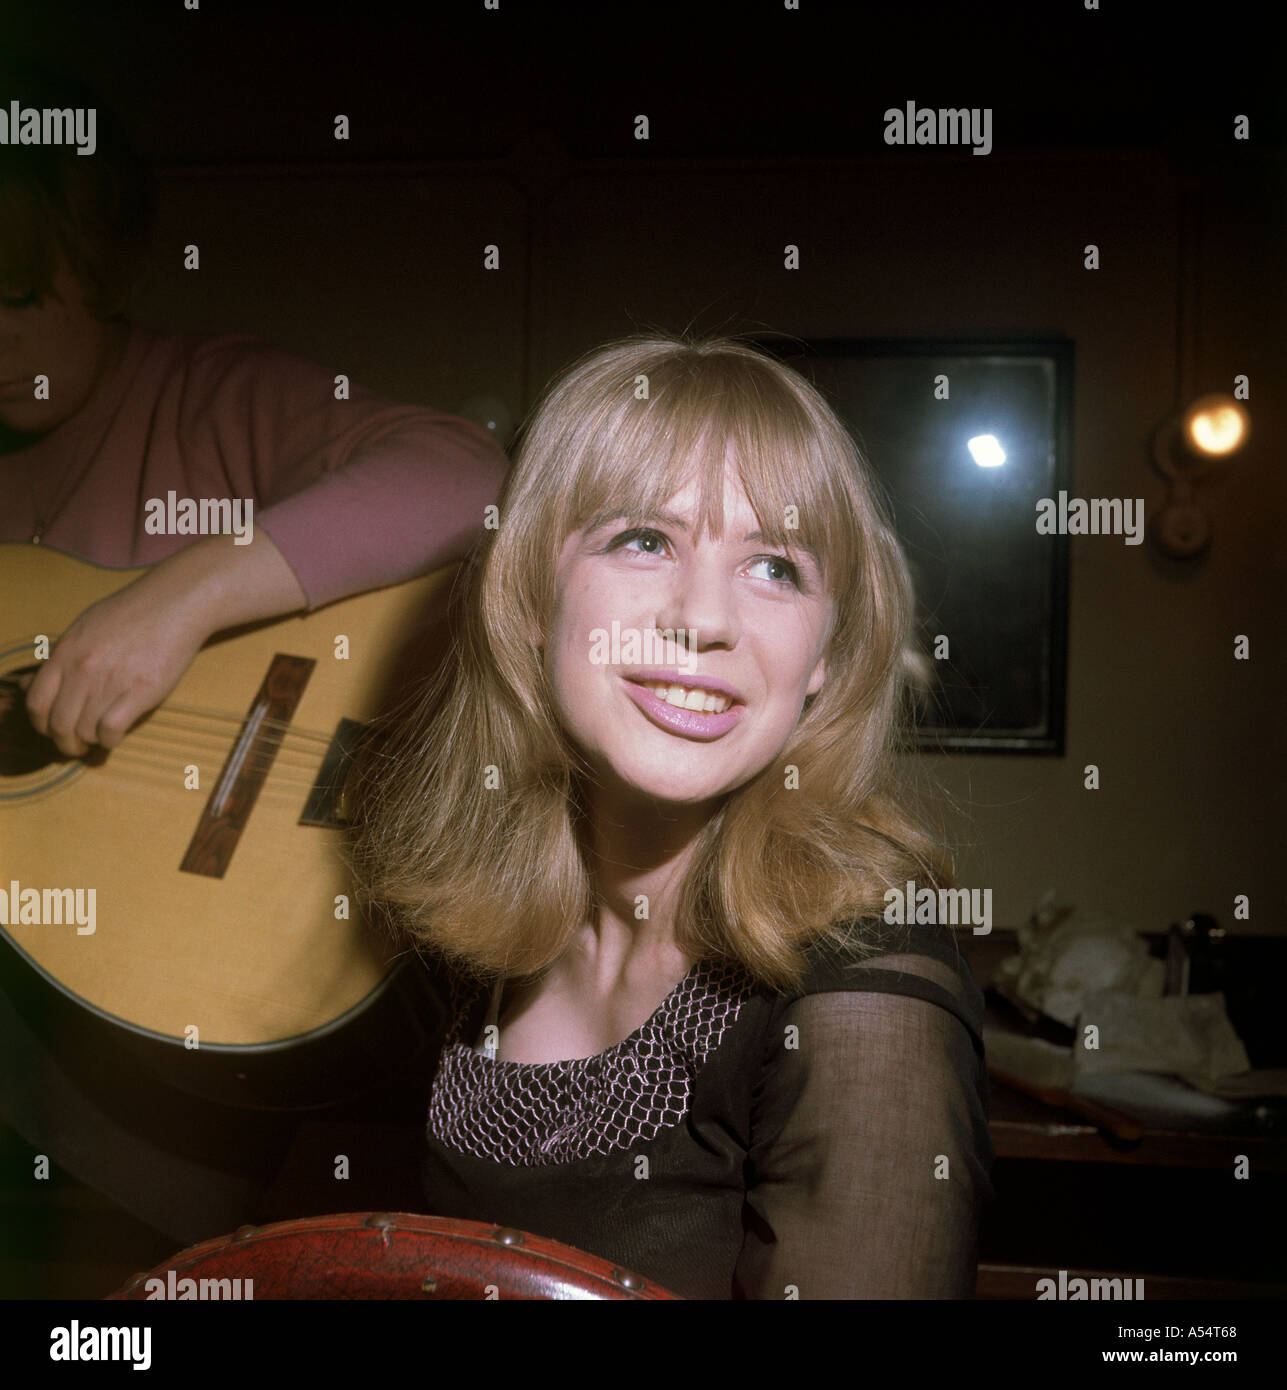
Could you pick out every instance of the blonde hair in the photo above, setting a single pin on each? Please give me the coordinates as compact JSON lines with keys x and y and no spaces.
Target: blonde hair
{"x":495,"y":879}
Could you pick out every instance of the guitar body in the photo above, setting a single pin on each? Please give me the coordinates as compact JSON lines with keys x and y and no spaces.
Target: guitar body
{"x":226,"y":944}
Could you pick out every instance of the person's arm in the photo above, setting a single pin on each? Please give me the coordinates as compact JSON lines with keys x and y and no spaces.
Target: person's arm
{"x":356,"y":493}
{"x":870,"y":1155}
{"x":409,"y":501}
{"x":348,"y":496}
{"x":125,"y":653}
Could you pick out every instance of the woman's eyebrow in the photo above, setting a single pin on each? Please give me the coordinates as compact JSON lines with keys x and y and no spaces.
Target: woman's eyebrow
{"x":799,"y":547}
{"x":610,"y":515}
{"x":669,"y":519}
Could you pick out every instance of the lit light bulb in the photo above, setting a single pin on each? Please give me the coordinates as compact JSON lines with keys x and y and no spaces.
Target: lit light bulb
{"x":1215,"y":425}
{"x":986,"y":451}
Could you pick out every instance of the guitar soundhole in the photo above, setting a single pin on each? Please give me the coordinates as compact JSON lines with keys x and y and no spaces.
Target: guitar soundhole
{"x":22,"y":749}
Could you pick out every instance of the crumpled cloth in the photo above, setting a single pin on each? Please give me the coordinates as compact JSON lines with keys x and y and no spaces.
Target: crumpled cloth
{"x":1188,"y":1035}
{"x":1067,"y":955}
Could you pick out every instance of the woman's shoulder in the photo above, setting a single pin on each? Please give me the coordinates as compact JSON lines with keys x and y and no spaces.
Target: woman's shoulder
{"x":866,"y":943}
{"x":916,"y":959}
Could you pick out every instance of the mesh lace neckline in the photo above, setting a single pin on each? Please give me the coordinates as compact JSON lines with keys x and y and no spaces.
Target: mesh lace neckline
{"x":537,"y":1113}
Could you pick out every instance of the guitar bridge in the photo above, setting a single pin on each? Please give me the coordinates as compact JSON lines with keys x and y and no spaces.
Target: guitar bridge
{"x":325,"y":804}
{"x":246,"y":768}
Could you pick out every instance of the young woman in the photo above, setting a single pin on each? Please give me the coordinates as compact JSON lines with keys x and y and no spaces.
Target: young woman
{"x":648,"y":813}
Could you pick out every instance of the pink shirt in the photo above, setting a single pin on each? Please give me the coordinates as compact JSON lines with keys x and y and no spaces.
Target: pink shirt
{"x":355,"y":493}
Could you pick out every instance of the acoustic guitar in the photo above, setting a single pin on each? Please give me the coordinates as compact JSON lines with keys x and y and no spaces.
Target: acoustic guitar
{"x":211,"y":922}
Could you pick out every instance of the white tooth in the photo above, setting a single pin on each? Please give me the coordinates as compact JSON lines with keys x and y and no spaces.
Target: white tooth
{"x":690,"y":697}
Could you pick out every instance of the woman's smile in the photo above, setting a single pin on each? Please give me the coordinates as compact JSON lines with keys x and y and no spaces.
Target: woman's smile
{"x":692,"y":709}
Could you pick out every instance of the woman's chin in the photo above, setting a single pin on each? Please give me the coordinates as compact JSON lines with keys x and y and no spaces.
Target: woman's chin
{"x":652,"y":784}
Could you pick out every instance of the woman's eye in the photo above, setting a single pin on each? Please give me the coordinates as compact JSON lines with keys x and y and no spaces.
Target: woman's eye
{"x":639,"y":533}
{"x":787,"y":572}
{"x":783,"y":571}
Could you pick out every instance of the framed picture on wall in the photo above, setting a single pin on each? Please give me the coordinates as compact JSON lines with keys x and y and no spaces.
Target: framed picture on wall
{"x":967,"y":439}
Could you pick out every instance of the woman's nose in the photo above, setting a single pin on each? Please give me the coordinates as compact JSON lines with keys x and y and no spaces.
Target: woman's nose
{"x":702,"y":602}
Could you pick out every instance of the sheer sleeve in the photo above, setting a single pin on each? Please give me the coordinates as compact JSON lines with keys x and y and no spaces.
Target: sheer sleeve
{"x":870,"y":1150}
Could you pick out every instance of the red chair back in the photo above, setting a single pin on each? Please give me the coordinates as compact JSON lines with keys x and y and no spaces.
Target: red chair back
{"x":386,"y":1255}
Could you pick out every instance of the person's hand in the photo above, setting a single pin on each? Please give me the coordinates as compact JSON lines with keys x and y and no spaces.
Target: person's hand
{"x":127,"y":652}
{"x":117,"y":661}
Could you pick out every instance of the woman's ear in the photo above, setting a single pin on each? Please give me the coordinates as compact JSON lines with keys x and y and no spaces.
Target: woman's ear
{"x":819,"y":676}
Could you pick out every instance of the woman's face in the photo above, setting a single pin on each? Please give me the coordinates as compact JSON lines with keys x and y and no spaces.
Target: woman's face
{"x":744,"y":627}
{"x":56,"y":337}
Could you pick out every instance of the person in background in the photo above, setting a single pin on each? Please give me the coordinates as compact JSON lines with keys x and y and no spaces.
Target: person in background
{"x":347,"y":494}
{"x":97,"y":416}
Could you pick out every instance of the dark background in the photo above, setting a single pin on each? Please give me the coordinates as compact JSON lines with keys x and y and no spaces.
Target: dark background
{"x":243,"y":81}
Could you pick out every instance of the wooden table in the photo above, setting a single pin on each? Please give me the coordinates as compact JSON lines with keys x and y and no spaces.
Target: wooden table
{"x":1167,"y":1208}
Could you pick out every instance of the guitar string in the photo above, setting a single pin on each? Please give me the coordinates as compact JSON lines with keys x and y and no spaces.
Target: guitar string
{"x":283,"y":785}
{"x":202,"y":745}
{"x":296,"y":766}
{"x":223,"y":716}
{"x":278,"y":785}
{"x":283,"y":752}
{"x":158,"y":773}
{"x":171,"y":731}
{"x":292,"y":740}
{"x":290,"y":732}
{"x":258,"y":761}
{"x":290,"y":773}
{"x":287,"y":776}
{"x":294,"y":772}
